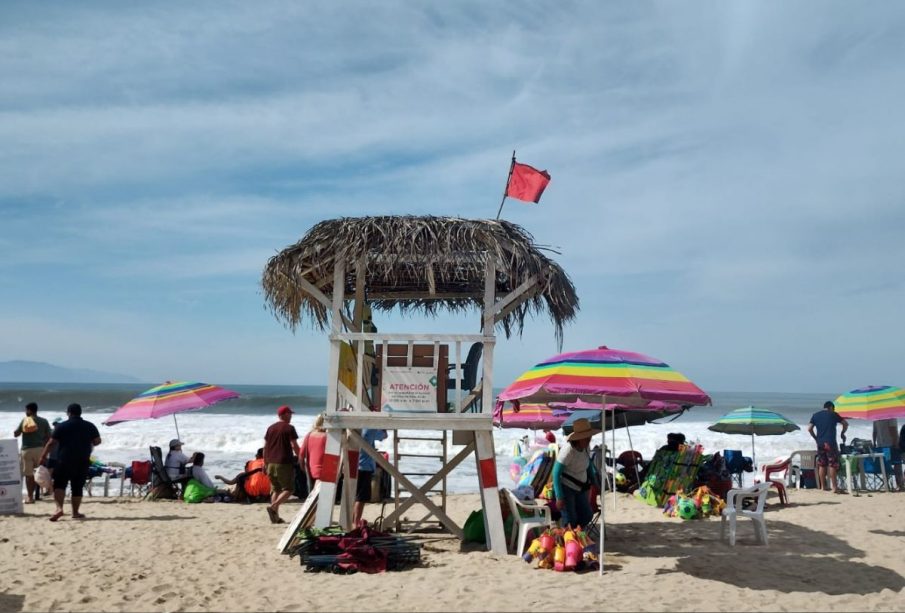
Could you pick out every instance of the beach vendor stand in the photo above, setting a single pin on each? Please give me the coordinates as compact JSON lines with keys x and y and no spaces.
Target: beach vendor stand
{"x":413,"y":264}
{"x":604,"y":376}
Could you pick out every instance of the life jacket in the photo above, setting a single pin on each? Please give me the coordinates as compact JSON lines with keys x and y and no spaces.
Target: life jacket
{"x":257,"y":484}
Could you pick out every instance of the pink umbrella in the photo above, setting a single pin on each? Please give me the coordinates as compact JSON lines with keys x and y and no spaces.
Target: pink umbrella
{"x":169,"y":399}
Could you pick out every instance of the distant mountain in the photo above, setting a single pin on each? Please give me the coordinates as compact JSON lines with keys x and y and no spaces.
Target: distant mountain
{"x":22,"y":371}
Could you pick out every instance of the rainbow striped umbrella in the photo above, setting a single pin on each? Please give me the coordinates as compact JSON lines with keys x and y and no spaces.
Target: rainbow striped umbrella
{"x":588,"y":376}
{"x":753,"y":420}
{"x":872,"y":402}
{"x":551,"y":416}
{"x":169,"y":399}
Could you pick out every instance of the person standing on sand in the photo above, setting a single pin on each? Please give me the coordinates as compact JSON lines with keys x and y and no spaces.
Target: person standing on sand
{"x":280,"y":443}
{"x":827,"y":450}
{"x":35,"y":433}
{"x":366,"y":468}
{"x":311,"y":455}
{"x":76,"y":439}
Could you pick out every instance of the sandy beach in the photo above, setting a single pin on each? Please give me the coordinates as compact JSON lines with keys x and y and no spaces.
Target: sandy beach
{"x":827,"y":553}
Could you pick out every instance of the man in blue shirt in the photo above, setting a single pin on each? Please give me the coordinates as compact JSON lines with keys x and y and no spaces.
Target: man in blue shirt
{"x":827,"y":451}
{"x":366,"y":468}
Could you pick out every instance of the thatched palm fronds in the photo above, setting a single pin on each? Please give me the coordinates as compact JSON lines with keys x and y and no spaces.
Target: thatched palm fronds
{"x":421,"y":264}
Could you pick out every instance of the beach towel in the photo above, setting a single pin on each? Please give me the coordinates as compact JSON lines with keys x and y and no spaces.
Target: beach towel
{"x":29,"y":425}
{"x":195,"y":491}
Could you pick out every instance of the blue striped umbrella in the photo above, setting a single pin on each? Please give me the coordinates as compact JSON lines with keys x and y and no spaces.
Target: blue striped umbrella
{"x":753,"y":420}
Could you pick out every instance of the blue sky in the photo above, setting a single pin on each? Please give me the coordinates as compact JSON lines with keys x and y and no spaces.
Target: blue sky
{"x":727,"y":179}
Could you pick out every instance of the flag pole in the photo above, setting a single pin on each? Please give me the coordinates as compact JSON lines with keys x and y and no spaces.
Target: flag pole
{"x":506,"y":189}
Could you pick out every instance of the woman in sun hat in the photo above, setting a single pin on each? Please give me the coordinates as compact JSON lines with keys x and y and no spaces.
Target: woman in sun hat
{"x":573,"y":474}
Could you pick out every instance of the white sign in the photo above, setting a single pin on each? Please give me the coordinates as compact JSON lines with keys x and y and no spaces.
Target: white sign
{"x":409,"y":390}
{"x":10,"y":478}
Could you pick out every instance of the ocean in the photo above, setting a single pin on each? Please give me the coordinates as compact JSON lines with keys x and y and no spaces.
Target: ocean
{"x":230,"y":432}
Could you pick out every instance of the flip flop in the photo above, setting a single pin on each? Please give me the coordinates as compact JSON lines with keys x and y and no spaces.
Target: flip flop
{"x":78,"y":516}
{"x":273,"y":515}
{"x":56,"y":516}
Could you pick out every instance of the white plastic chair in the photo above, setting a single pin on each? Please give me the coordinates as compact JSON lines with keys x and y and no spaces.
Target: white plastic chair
{"x":734,"y":507}
{"x":807,"y":460}
{"x":540,"y":518}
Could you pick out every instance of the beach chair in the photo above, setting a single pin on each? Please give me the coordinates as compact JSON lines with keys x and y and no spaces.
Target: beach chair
{"x":469,"y":370}
{"x":539,"y":517}
{"x":140,"y":477}
{"x":873,"y":472}
{"x":161,"y":484}
{"x":735,"y":506}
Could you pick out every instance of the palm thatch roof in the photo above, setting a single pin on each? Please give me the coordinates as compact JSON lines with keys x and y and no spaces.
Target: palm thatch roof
{"x":418,"y":264}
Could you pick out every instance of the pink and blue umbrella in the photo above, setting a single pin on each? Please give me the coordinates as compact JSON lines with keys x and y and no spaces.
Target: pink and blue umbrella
{"x":169,"y":399}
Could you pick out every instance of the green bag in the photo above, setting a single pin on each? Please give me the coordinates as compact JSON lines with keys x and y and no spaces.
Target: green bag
{"x":195,"y":491}
{"x":474,"y":527}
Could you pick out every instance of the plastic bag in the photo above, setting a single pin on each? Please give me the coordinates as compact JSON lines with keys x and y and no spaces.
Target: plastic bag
{"x":42,"y":477}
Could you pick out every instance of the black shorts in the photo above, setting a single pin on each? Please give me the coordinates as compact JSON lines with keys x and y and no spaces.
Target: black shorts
{"x":74,"y":477}
{"x":363,"y":487}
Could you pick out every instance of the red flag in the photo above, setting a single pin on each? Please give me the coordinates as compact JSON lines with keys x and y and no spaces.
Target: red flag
{"x":526,"y":182}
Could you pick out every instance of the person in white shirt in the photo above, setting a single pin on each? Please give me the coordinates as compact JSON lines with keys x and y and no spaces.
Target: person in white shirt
{"x":198,"y":473}
{"x":175,"y":462}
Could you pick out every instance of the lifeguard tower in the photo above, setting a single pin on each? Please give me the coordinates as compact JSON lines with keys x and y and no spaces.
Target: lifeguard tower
{"x":344,"y":267}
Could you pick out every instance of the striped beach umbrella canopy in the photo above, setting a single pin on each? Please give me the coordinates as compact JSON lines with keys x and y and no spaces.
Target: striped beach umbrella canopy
{"x":169,"y":399}
{"x":535,"y":416}
{"x":753,"y":420}
{"x":872,"y":402}
{"x":620,"y":376}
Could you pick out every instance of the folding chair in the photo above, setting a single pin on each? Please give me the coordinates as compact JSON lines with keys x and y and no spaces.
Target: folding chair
{"x":161,"y":484}
{"x":140,"y":477}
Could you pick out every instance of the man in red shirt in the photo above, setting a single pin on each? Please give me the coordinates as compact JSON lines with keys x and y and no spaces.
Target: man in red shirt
{"x":280,"y":444}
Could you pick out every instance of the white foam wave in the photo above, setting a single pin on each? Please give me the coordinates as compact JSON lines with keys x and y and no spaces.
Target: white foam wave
{"x":230,"y":440}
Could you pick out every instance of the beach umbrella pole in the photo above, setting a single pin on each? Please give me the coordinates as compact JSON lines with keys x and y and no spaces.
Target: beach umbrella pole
{"x":614,"y":457}
{"x":603,"y":478}
{"x":177,"y":426}
{"x":753,"y":455}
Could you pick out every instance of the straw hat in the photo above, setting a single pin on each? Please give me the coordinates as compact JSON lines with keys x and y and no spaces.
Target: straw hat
{"x":582,"y":429}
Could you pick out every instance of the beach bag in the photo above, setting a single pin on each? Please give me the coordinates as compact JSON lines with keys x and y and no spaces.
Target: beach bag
{"x":29,"y":425}
{"x":473,"y":530}
{"x":195,"y":491}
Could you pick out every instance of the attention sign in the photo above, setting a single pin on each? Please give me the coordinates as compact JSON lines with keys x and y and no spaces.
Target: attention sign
{"x":409,"y":390}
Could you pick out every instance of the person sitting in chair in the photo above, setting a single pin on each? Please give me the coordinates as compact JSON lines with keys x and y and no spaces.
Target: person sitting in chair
{"x":176,"y":464}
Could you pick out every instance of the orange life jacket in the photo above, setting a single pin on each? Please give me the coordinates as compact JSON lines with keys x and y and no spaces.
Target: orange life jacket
{"x":257,"y":484}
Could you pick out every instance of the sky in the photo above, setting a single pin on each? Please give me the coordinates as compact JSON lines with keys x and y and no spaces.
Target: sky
{"x":726,"y":195}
